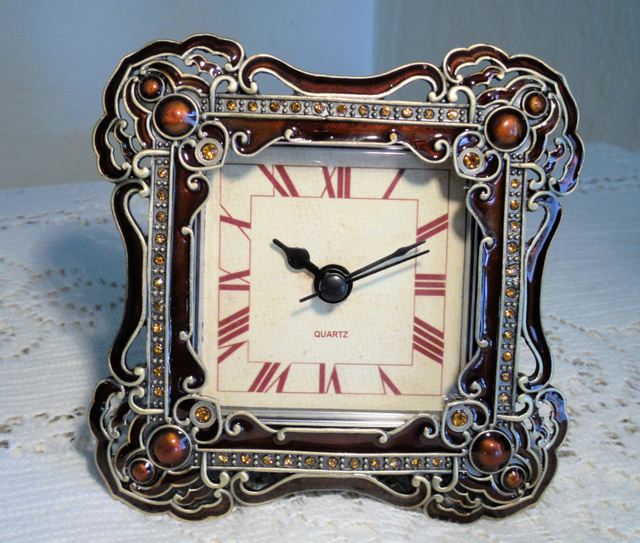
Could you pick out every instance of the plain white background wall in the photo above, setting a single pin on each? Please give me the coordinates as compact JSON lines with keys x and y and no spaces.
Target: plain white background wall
{"x":58,"y":56}
{"x":594,"y":43}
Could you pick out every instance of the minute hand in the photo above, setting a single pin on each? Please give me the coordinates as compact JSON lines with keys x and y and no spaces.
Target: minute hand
{"x":397,"y":253}
{"x":367,"y":271}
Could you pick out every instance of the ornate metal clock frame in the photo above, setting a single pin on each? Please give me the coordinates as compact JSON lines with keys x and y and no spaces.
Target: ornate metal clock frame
{"x":506,"y":123}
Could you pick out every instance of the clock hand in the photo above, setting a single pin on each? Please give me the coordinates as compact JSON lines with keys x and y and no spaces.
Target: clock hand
{"x":368,"y":271}
{"x":397,"y":253}
{"x":298,"y":258}
{"x":351,"y":278}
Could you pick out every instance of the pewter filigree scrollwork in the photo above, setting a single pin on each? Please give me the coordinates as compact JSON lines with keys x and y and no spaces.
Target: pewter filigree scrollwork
{"x":171,"y":112}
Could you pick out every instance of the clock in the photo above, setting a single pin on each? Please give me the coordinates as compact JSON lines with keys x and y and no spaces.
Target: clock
{"x":335,"y":290}
{"x":385,"y":342}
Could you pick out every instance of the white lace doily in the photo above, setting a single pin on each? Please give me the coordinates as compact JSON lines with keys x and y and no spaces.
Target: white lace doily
{"x":61,"y":295}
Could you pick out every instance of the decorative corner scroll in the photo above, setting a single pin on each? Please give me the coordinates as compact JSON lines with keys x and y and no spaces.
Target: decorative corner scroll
{"x":173,"y":111}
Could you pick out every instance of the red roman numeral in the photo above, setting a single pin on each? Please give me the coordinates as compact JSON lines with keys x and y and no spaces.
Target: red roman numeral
{"x":393,"y":184}
{"x":343,"y":185}
{"x":432,"y":228}
{"x":229,"y":329}
{"x":388,"y":383}
{"x":430,"y":284}
{"x":228,"y":219}
{"x":333,"y":380}
{"x":228,"y":281}
{"x":265,"y":380}
{"x":288,"y":189}
{"x":428,"y":340}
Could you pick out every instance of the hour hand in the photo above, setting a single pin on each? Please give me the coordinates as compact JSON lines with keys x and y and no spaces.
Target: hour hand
{"x":298,"y":258}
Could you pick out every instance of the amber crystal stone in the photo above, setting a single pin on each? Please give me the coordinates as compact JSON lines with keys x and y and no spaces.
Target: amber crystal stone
{"x":288,"y":460}
{"x":471,"y":160}
{"x":209,"y":151}
{"x":268,"y":460}
{"x":203,"y":414}
{"x":459,"y":418}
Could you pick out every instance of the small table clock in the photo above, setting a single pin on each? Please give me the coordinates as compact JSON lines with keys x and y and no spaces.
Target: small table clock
{"x":334,"y":290}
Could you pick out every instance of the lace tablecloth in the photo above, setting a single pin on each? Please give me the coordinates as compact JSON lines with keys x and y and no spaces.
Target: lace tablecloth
{"x":61,"y":295}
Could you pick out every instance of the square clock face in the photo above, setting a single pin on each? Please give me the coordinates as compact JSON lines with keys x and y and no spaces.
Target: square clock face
{"x":388,"y":339}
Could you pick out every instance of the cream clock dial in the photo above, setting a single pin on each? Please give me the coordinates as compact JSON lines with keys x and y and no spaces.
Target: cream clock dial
{"x":277,"y":335}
